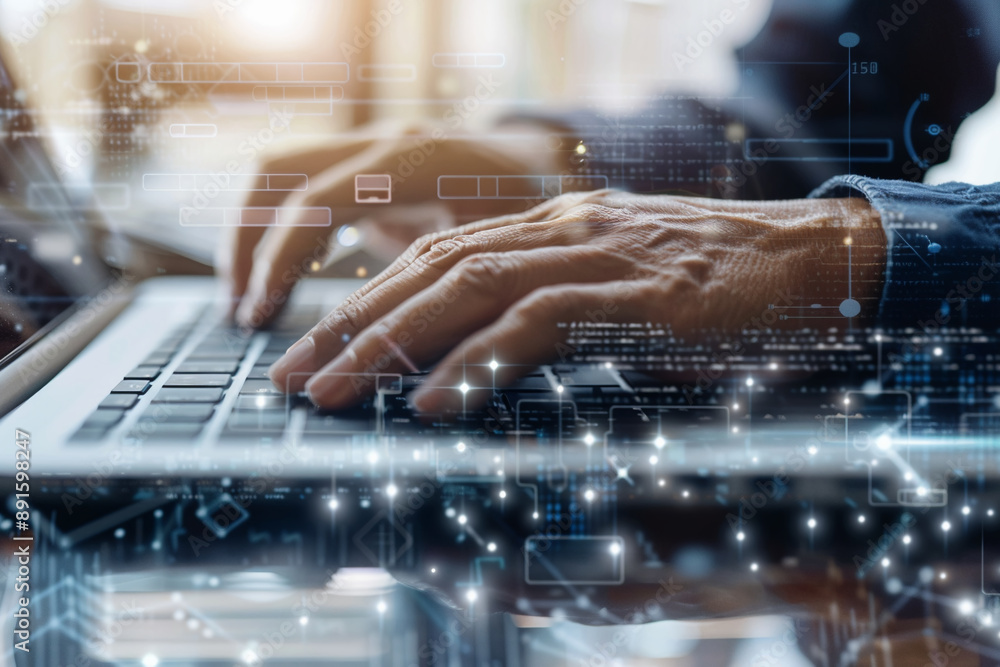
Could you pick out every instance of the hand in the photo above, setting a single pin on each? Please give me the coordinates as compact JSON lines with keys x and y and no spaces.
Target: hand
{"x":503,"y":289}
{"x":263,"y":264}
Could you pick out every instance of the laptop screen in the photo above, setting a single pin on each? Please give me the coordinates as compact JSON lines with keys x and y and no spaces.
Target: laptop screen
{"x":47,"y":265}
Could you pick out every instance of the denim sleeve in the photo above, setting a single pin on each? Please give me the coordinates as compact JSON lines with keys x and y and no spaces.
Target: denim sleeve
{"x":942,"y":248}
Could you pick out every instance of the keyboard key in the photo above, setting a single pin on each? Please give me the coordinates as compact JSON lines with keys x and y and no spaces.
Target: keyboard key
{"x":209,"y":366}
{"x":587,"y":376}
{"x":188,"y":395}
{"x":143,"y":373}
{"x":267,"y":358}
{"x":216,"y":353}
{"x":156,"y":359}
{"x":265,"y":387}
{"x":131,"y":387}
{"x":118,"y":402}
{"x":258,"y":420}
{"x":179,"y":413}
{"x":261,"y":402}
{"x":198,"y":380}
{"x":259,"y":372}
{"x":103,"y":419}
{"x":165,"y":431}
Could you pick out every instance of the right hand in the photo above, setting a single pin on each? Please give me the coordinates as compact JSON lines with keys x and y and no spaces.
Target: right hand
{"x":263,"y":264}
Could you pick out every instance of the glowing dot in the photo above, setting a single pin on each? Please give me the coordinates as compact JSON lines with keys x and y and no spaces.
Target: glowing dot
{"x":372,"y":457}
{"x":773,"y":366}
{"x":848,"y":240}
{"x":885,"y":562}
{"x":77,"y":260}
{"x":589,"y":495}
{"x":503,"y":494}
{"x":989,"y":512}
{"x":315,"y":266}
{"x":736,"y":406}
{"x":462,"y":519}
{"x":753,"y":567}
{"x":660,"y":442}
{"x":494,"y":365}
{"x":559,"y":389}
{"x":348,"y":236}
{"x":615,"y":548}
{"x":248,"y":656}
{"x":946,"y":526}
{"x":966,"y":607}
{"x":141,"y":46}
{"x":303,"y":620}
{"x":434,"y":570}
{"x":450,"y":512}
{"x":333,"y":504}
{"x":381,"y":607}
{"x":391,"y":490}
{"x":907,"y":539}
{"x":534,"y":515}
{"x":878,"y":338}
{"x":938,"y":351}
{"x":813,"y":450}
{"x":908,"y":476}
{"x":921,"y":490}
{"x":361,"y":272}
{"x":736,"y":429}
{"x":607,"y":364}
{"x":460,"y":447}
{"x":261,"y":401}
{"x":884,"y":441}
{"x":741,"y":536}
{"x":685,"y":493}
{"x":749,"y":382}
{"x":966,"y":510}
{"x":150,"y":660}
{"x":861,"y":518}
{"x":811,"y":523}
{"x":847,"y":401}
{"x":653,"y":460}
{"x":581,"y":149}
{"x":662,"y":482}
{"x":874,"y":463}
{"x":492,"y":546}
{"x":588,"y":439}
{"x":471,"y":596}
{"x":464,"y":388}
{"x":416,"y":454}
{"x":943,"y":575}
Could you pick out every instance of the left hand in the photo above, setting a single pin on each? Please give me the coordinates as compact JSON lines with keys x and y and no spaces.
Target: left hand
{"x":500,"y":289}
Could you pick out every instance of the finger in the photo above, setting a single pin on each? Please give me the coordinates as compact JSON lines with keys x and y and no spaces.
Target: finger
{"x":545,"y":211}
{"x":531,"y":333}
{"x":472,"y":295}
{"x":328,"y":338}
{"x":235,"y":259}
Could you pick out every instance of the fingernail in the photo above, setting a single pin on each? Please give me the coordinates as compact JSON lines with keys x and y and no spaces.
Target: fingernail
{"x":300,"y":358}
{"x":329,"y":386}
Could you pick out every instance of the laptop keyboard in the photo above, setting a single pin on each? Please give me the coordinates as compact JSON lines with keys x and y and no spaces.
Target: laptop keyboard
{"x":179,"y":391}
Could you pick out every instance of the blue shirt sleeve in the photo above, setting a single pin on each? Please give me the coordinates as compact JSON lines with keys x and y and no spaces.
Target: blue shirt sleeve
{"x":942,"y":247}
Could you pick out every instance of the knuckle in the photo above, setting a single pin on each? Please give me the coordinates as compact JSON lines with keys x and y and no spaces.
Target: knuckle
{"x":546,"y":303}
{"x":348,"y":317}
{"x":484,"y":272}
